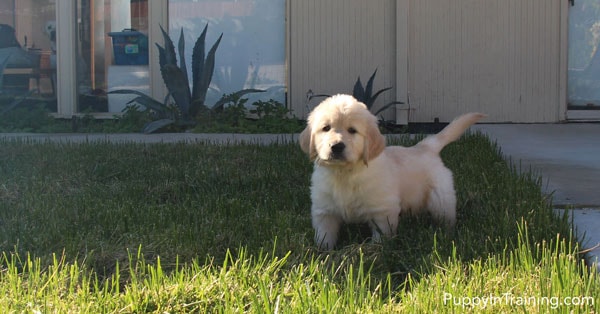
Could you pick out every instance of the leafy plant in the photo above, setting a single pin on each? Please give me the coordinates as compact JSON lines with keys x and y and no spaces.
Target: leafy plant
{"x":25,"y":113}
{"x":273,"y":116}
{"x":16,"y":102}
{"x":187,"y":103}
{"x":234,"y":115}
{"x":270,"y":109}
{"x":132,"y":119}
{"x":232,"y":109}
{"x":32,"y":117}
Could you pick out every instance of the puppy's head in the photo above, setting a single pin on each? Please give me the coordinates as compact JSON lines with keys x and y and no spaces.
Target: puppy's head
{"x":341,"y":131}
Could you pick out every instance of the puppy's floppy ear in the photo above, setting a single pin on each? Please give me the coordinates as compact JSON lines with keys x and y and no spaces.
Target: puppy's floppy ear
{"x":306,"y":140}
{"x":374,"y":143}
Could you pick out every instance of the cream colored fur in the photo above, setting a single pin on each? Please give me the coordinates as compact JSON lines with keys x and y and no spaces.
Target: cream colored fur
{"x":356,"y":178}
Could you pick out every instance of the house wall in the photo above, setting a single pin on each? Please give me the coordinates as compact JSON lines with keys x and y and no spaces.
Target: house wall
{"x":333,"y":42}
{"x":503,"y":57}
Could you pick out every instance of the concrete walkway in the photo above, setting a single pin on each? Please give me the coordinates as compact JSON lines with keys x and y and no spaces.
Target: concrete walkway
{"x":215,"y":138}
{"x":566,"y":155}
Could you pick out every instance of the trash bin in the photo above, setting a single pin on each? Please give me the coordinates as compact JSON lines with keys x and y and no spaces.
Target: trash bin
{"x":130,"y":47}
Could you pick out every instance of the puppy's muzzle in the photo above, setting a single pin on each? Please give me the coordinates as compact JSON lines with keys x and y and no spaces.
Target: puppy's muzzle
{"x":337,"y":150}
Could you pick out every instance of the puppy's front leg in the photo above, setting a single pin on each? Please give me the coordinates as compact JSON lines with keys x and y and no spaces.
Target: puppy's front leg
{"x":326,"y":230}
{"x":386,"y":225}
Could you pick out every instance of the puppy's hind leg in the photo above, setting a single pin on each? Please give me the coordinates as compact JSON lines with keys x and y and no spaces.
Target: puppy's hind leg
{"x":442,"y":204}
{"x":326,"y":230}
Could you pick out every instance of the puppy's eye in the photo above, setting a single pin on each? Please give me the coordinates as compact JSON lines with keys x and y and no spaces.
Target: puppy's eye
{"x":352,"y":130}
{"x":326,"y":128}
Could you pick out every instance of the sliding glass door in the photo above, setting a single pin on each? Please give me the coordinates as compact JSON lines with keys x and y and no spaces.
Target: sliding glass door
{"x":112,"y":52}
{"x":251,"y":53}
{"x":28,"y":54}
{"x":68,"y":55}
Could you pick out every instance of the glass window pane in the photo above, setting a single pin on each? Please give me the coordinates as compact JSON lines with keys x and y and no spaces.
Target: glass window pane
{"x":28,"y":54}
{"x":251,"y":53}
{"x":112,"y":52}
{"x":584,"y":57}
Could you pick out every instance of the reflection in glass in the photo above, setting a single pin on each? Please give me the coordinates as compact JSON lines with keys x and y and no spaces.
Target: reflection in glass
{"x":112,"y":52}
{"x":252,"y":51}
{"x":28,"y":55}
{"x":584,"y":57}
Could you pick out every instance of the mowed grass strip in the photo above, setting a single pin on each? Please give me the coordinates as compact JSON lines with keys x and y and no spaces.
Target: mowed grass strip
{"x":101,"y":227}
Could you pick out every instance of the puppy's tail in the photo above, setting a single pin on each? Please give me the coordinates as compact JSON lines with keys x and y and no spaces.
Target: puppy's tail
{"x":451,"y":132}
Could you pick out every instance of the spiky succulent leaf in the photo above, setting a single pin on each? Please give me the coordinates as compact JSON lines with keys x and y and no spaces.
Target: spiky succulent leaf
{"x":162,"y":60}
{"x":178,"y":87}
{"x":182,"y":63}
{"x":206,"y":77}
{"x":388,"y":106}
{"x":169,"y":49}
{"x":369,"y":87}
{"x":154,"y":126}
{"x":358,"y":91}
{"x":198,"y":64}
{"x":143,"y":100}
{"x":149,"y":103}
{"x":209,"y":65}
{"x":128,"y":91}
{"x":371,"y":100}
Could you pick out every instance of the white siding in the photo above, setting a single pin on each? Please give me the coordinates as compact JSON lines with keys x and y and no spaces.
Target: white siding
{"x":503,"y":57}
{"x":332,"y":42}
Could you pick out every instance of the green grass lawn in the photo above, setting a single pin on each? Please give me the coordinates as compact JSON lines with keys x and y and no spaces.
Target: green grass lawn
{"x":100,"y":227}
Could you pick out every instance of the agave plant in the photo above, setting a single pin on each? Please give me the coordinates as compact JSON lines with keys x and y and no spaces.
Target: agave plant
{"x":365,"y":94}
{"x":187,"y":103}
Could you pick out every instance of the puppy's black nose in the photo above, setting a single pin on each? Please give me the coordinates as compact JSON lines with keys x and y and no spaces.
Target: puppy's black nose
{"x":338,"y":148}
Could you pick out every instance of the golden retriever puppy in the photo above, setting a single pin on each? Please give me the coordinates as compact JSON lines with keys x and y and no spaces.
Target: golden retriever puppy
{"x":356,"y":178}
